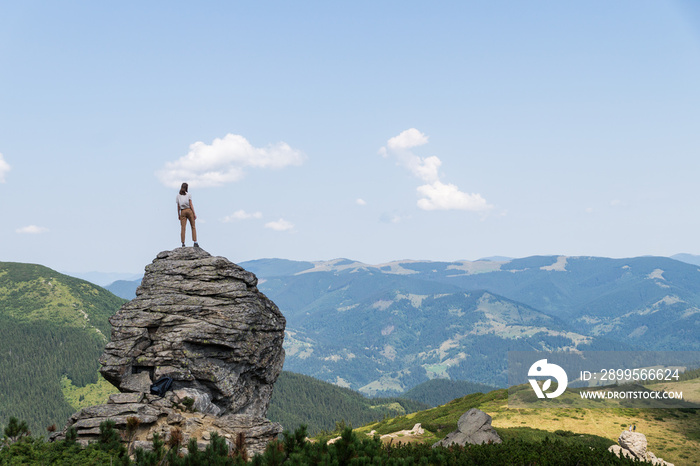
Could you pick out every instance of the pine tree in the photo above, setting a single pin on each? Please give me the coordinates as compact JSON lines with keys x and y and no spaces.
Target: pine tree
{"x":15,"y":430}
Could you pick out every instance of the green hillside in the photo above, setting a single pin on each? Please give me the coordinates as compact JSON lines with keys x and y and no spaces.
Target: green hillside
{"x":52,"y":326}
{"x":672,"y":434}
{"x":30,"y":292}
{"x":300,"y":399}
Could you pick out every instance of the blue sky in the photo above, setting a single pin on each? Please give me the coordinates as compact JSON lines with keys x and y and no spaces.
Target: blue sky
{"x":369,"y":130}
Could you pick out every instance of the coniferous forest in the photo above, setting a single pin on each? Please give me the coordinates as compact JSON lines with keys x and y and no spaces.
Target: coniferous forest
{"x":299,"y":399}
{"x":51,"y":326}
{"x":40,"y":355}
{"x":295,"y":449}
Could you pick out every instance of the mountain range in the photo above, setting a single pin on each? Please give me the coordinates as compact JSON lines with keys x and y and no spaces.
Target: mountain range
{"x":382,"y":329}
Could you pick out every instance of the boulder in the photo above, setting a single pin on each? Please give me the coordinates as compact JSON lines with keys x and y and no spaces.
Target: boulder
{"x":202,"y":321}
{"x":473,"y":427}
{"x":634,"y":442}
{"x":633,"y":445}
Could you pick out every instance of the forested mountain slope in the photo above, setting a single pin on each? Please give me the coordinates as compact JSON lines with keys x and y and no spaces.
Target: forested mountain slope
{"x":51,"y":325}
{"x":385,"y":328}
{"x":437,"y":392}
{"x":299,"y":399}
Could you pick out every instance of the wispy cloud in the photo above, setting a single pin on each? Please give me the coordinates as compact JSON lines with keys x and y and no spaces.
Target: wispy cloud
{"x":241,"y":215}
{"x":392,"y":218}
{"x":618,"y":203}
{"x":360,"y":201}
{"x":424,"y":168}
{"x":31,"y":230}
{"x":435,"y":195}
{"x":440,"y":196}
{"x":225,"y":160}
{"x":4,"y":168}
{"x":280,"y":225}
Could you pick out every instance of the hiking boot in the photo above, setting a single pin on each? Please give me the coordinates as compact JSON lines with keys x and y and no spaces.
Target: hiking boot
{"x":183,"y":245}
{"x":196,"y":245}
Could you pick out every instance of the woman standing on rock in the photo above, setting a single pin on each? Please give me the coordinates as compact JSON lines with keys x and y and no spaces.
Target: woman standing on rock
{"x":185,"y":211}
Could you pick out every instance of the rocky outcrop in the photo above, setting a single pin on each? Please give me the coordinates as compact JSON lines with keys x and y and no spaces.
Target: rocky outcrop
{"x":634,"y":445}
{"x":473,"y":427}
{"x":200,"y":320}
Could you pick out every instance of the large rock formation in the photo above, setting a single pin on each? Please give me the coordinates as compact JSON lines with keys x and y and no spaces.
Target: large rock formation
{"x":201,"y":321}
{"x":473,"y":427}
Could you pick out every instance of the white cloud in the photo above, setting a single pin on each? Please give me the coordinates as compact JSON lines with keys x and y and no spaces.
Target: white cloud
{"x":31,"y":230}
{"x":225,"y":160}
{"x":4,"y":168}
{"x":241,"y":215}
{"x":391,"y":218}
{"x":359,"y":201}
{"x":280,"y":225}
{"x":440,"y":196}
{"x":426,"y":169}
{"x":435,"y":195}
{"x":407,"y":139}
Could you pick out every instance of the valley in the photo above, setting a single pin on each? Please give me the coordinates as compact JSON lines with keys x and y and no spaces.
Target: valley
{"x":413,"y":321}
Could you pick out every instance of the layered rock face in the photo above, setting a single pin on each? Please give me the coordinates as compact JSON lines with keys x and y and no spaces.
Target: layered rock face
{"x":200,"y":320}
